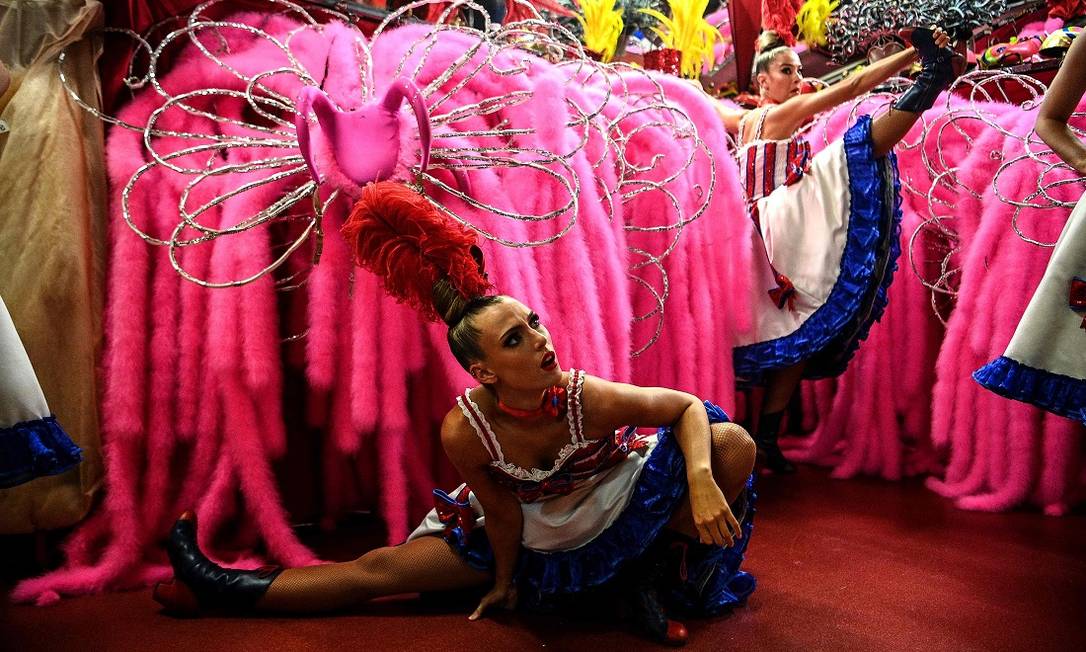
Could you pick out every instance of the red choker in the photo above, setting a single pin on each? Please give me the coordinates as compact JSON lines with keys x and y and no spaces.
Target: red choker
{"x":554,"y":401}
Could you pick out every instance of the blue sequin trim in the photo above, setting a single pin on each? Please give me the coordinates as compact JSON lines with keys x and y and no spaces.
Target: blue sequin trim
{"x":843,"y":311}
{"x":660,"y":487}
{"x":1059,"y":394}
{"x":32,"y":449}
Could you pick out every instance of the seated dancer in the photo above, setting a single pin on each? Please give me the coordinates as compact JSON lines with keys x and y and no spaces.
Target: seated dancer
{"x":575,"y":498}
{"x":829,"y":224}
{"x":1045,"y":362}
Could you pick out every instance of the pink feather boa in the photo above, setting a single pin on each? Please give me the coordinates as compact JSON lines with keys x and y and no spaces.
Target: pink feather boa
{"x":193,"y":378}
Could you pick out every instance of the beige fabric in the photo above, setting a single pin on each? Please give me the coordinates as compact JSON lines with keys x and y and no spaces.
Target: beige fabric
{"x":52,"y":217}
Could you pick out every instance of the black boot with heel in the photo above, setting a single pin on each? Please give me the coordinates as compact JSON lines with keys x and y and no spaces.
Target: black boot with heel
{"x":640,"y":583}
{"x":201,"y":585}
{"x":769,"y":425}
{"x":938,"y":69}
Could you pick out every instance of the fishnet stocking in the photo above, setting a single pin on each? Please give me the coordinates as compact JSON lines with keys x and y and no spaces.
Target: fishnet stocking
{"x":426,"y":564}
{"x":732,"y":455}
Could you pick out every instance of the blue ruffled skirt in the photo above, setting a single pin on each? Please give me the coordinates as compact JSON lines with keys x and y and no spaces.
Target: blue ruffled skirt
{"x":841,"y":281}
{"x":713,"y":581}
{"x":32,"y":443}
{"x":33,"y":449}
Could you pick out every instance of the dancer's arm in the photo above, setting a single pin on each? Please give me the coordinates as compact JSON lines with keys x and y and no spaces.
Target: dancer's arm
{"x":786,"y":118}
{"x":504,"y":520}
{"x":789,"y":116}
{"x":1060,"y":102}
{"x":609,"y":406}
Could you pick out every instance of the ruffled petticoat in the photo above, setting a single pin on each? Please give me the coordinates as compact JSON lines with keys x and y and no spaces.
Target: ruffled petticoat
{"x":573,"y":544}
{"x":835,"y":235}
{"x":32,"y":443}
{"x":1045,"y":362}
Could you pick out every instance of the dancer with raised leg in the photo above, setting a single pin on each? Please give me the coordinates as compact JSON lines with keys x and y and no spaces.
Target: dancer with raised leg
{"x":575,"y":497}
{"x":828,"y":223}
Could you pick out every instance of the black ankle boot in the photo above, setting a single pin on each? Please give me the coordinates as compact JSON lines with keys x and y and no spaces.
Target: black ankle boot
{"x":769,"y":425}
{"x":642,"y":581}
{"x":205,"y":585}
{"x":935,"y":75}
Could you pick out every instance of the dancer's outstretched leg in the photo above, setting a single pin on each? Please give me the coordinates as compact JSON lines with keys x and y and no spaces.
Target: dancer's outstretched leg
{"x":421,"y":565}
{"x":425,"y":564}
{"x":937,"y":61}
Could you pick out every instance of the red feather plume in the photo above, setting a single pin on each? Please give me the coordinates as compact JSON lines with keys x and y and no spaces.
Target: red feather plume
{"x":780,"y":17}
{"x":398,"y":235}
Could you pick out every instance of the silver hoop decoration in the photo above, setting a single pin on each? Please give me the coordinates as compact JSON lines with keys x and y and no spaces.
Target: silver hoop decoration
{"x":234,"y":139}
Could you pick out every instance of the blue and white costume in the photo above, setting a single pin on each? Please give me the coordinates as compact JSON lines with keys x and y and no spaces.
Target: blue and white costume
{"x":1045,"y":362}
{"x":600,"y":506}
{"x":829,"y":225}
{"x":32,"y":443}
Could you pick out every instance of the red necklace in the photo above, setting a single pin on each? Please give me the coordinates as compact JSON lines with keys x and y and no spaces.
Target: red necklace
{"x":554,"y":400}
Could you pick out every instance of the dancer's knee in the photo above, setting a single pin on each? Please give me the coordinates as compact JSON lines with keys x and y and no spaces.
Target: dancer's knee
{"x":734,"y":453}
{"x":372,"y":571}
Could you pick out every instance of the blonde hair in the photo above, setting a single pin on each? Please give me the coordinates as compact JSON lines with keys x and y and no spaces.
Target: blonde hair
{"x":768,"y":45}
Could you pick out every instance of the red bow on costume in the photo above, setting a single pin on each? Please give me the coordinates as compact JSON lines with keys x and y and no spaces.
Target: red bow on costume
{"x":784,"y":293}
{"x":1077,"y":297}
{"x":454,"y":512}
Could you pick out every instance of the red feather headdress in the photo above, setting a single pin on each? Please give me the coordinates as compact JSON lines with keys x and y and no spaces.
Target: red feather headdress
{"x":401,"y":237}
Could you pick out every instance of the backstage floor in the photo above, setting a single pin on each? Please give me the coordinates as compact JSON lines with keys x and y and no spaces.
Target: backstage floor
{"x":841,"y":565}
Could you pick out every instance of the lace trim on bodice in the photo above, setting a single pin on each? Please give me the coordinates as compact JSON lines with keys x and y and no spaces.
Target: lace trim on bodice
{"x":574,"y":417}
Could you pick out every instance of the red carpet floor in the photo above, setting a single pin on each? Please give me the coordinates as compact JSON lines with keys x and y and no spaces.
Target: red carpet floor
{"x":841,"y":565}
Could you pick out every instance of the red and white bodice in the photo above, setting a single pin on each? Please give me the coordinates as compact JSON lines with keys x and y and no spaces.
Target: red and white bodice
{"x":765,"y":165}
{"x":577,"y":461}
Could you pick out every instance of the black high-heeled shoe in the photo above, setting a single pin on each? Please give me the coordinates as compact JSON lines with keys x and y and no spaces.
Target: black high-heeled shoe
{"x":774,"y":457}
{"x":650,"y":617}
{"x":640,"y":585}
{"x":201,"y":585}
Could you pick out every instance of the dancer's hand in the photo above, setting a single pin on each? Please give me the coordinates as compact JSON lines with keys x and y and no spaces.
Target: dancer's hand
{"x":501,"y":596}
{"x":942,"y":39}
{"x":713,"y":517}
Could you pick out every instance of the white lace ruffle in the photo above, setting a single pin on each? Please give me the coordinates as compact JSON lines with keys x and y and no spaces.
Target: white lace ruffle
{"x":574,"y":417}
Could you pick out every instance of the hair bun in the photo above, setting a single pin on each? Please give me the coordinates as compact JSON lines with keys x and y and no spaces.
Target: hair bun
{"x":449,"y":304}
{"x":769,"y":40}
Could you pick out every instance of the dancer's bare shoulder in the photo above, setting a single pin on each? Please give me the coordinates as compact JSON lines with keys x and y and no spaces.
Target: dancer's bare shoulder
{"x":461,"y":442}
